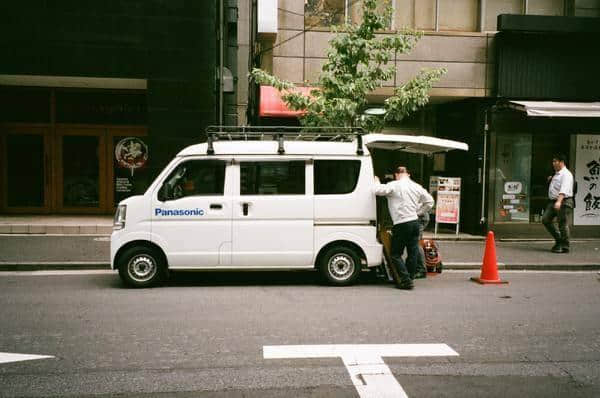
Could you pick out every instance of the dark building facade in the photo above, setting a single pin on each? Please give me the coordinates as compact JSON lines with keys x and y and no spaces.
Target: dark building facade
{"x":96,"y":97}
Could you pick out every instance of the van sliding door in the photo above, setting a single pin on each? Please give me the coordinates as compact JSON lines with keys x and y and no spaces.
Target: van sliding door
{"x":273,"y":214}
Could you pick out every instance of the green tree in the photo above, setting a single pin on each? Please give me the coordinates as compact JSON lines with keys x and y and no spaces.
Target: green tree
{"x":357,"y":64}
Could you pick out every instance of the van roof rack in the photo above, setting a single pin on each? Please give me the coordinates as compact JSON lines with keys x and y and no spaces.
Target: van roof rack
{"x":282,"y":133}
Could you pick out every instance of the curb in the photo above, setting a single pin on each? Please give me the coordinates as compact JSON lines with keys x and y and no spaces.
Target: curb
{"x":53,"y":266}
{"x":91,"y":265}
{"x":33,"y":229}
{"x":527,"y":267}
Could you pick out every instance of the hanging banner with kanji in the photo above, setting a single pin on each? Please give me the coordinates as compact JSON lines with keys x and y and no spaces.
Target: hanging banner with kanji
{"x":587,"y":175}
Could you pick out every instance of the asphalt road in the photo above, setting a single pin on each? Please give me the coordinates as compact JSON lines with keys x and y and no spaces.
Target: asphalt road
{"x":203,"y":335}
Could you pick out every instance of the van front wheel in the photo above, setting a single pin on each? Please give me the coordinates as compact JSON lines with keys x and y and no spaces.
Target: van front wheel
{"x":141,"y":266}
{"x":340,"y":266}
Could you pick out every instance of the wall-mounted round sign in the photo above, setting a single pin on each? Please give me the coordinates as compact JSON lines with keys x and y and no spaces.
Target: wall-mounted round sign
{"x":131,"y":153}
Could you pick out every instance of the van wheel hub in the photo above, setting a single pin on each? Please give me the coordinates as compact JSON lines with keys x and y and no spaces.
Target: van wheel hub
{"x":341,"y":266}
{"x":142,"y":267}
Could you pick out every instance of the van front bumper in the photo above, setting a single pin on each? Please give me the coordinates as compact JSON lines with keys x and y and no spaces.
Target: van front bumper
{"x":116,"y":242}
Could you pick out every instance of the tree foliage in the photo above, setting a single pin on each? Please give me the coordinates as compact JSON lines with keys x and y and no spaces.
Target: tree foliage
{"x":358,"y":62}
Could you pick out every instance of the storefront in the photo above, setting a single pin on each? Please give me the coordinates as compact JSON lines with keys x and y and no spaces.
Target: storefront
{"x":547,"y":103}
{"x":524,"y":137}
{"x":71,"y":151}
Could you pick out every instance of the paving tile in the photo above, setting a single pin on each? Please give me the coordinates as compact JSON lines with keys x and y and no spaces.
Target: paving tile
{"x":104,"y":230}
{"x":19,"y":229}
{"x":54,"y":229}
{"x":70,"y":229}
{"x":37,"y":229}
{"x":87,"y":229}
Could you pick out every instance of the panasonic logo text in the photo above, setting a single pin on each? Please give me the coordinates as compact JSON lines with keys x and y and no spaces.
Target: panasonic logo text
{"x":178,"y":212}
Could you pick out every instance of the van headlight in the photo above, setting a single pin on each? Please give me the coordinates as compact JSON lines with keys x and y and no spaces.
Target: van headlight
{"x":119,"y":222}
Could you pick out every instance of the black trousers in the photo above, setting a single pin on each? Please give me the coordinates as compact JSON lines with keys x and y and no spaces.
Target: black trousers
{"x":563,"y":216}
{"x":423,"y":221}
{"x":405,"y":236}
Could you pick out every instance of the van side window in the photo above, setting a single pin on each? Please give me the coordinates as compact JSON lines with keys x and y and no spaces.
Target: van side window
{"x":194,"y":178}
{"x":272,"y":178}
{"x":336,"y":177}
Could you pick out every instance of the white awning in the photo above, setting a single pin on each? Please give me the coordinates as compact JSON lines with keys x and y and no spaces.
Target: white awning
{"x":412,"y":143}
{"x":557,"y":109}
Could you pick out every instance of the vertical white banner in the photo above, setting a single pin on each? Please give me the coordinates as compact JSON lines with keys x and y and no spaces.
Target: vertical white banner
{"x":587,"y":175}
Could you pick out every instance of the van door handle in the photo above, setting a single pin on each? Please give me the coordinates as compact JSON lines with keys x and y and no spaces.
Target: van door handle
{"x":216,"y":206}
{"x":245,"y":208}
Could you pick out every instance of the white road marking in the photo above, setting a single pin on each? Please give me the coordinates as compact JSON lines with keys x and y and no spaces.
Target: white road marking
{"x":6,"y":357}
{"x":370,"y":375}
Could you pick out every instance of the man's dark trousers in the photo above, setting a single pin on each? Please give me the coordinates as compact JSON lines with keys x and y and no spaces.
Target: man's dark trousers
{"x":563,"y":215}
{"x":420,"y":267}
{"x":405,"y":235}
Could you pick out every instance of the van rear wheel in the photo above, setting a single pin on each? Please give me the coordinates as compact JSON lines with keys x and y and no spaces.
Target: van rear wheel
{"x":141,"y":266}
{"x":340,"y":266}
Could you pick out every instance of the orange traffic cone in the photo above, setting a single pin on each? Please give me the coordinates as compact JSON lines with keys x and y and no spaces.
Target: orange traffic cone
{"x":489,"y":269}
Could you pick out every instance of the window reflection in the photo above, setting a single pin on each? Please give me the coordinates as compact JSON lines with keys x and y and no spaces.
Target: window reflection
{"x":324,"y":13}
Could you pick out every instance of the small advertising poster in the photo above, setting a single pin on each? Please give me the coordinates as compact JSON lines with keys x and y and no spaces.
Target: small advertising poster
{"x":131,"y":156}
{"x":447,"y":210}
{"x":587,"y":175}
{"x":513,"y":205}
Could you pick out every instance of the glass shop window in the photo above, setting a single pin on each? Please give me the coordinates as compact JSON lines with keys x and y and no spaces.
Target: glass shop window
{"x":513,"y":178}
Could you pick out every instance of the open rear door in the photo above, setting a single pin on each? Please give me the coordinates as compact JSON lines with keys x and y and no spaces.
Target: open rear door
{"x":412,"y":143}
{"x":420,"y":144}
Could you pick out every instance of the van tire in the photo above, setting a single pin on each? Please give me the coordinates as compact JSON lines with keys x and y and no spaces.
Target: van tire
{"x":340,"y":266}
{"x":141,"y":266}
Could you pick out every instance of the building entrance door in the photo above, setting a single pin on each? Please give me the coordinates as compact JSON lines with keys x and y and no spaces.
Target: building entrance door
{"x":68,"y":169}
{"x":81,"y":176}
{"x":27,"y":185}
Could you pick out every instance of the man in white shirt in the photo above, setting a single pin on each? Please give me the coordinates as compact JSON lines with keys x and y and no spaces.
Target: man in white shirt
{"x":406,"y":201}
{"x":560,"y":204}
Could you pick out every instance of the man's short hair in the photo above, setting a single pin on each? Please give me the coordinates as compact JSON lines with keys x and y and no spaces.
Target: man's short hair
{"x":401,"y":170}
{"x":561,"y":157}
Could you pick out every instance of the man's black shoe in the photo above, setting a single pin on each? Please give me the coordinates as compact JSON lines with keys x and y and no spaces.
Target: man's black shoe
{"x":557,"y":248}
{"x":420,"y":275}
{"x":565,"y":249}
{"x":405,"y":285}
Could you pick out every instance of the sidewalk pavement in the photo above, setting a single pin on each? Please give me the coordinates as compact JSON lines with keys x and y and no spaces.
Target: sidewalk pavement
{"x":83,"y":242}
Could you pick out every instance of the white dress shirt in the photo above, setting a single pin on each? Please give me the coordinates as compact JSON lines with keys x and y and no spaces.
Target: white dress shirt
{"x":562,"y":182}
{"x":406,"y":199}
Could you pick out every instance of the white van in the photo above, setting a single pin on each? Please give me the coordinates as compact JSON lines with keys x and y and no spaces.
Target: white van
{"x":265,"y":199}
